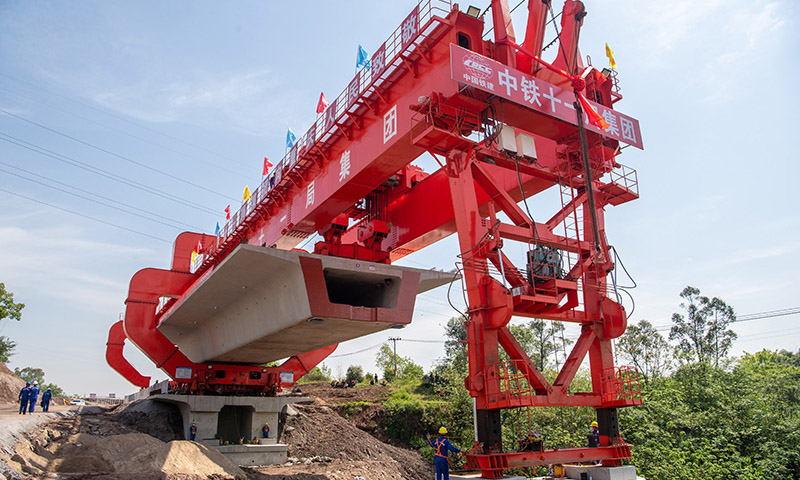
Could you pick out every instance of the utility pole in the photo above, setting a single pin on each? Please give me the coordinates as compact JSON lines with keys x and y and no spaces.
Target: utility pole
{"x":394,"y":356}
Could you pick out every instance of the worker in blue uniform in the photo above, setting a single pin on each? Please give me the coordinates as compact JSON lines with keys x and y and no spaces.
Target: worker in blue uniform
{"x":46,"y":396}
{"x":593,"y":437}
{"x":193,"y":431}
{"x":34,"y":395}
{"x":24,"y":396}
{"x":265,"y":430}
{"x":441,"y":446}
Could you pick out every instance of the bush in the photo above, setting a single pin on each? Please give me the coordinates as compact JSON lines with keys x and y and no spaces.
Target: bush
{"x":316,"y":374}
{"x":350,"y":407}
{"x":355,"y":372}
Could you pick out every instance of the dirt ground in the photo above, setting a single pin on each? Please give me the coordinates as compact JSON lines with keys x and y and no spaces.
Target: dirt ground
{"x":94,"y":445}
{"x":108,"y":443}
{"x":323,"y":443}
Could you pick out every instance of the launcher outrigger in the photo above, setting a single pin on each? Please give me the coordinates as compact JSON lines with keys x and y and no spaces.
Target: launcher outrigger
{"x":504,"y":126}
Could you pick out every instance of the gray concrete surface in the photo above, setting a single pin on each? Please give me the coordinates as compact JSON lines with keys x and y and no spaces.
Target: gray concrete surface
{"x":627,"y":472}
{"x":260,"y":304}
{"x":254,"y":455}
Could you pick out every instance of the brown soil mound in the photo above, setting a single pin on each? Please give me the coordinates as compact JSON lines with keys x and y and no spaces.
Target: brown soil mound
{"x":10,"y":385}
{"x":320,"y":431}
{"x":97,"y":446}
{"x":133,"y":453}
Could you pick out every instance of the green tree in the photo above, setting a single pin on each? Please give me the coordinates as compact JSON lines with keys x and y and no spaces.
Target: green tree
{"x":320,"y":373}
{"x":7,"y":347}
{"x":8,"y":310}
{"x":355,"y":372}
{"x":646,"y":348}
{"x":406,"y":368}
{"x":701,"y":332}
{"x":718,"y":337}
{"x":721,"y":424}
{"x":30,"y":374}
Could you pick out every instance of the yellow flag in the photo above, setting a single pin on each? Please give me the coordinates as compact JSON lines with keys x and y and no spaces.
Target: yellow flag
{"x":611,"y":62}
{"x":246,"y":195}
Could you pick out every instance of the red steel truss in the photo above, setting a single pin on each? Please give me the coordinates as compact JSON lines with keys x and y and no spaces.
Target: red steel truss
{"x":504,"y":126}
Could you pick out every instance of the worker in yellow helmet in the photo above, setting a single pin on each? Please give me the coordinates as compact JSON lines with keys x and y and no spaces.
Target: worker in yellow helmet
{"x":594,"y":435}
{"x":441,"y":447}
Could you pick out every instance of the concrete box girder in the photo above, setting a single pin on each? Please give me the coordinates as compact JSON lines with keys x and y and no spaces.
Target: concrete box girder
{"x":264,"y":304}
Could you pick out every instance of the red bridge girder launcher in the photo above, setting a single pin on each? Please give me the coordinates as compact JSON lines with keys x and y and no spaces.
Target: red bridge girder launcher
{"x":504,"y":126}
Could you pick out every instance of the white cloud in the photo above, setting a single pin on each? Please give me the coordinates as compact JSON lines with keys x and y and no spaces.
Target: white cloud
{"x":249,"y":102}
{"x":53,"y":261}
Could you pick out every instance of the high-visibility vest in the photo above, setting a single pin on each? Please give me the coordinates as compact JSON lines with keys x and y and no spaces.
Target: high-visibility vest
{"x":439,"y":447}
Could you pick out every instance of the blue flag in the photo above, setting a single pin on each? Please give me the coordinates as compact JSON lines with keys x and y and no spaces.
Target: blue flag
{"x":216,"y":230}
{"x":290,"y":138}
{"x":362,"y":60}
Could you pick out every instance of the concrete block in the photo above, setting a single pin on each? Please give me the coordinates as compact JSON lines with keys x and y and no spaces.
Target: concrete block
{"x":252,"y":455}
{"x":626,"y":472}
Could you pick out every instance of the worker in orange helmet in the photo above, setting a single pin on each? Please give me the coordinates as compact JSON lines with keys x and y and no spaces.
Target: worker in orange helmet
{"x":441,"y":447}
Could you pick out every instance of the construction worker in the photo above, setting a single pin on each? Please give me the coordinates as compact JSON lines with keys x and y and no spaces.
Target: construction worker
{"x":594,"y":435}
{"x":24,"y":396}
{"x":441,"y":447}
{"x":193,"y":430}
{"x":34,"y":395}
{"x":46,"y":396}
{"x":265,"y":430}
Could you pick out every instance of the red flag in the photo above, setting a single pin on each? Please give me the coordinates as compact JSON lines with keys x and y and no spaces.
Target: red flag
{"x":267,"y":164}
{"x":594,"y":118}
{"x":323,"y":103}
{"x":228,"y":212}
{"x":199,"y":247}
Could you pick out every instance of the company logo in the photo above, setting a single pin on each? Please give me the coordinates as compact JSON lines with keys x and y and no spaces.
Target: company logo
{"x":477,"y":66}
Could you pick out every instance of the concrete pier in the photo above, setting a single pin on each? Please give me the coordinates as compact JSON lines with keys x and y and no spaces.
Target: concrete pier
{"x":225,"y":421}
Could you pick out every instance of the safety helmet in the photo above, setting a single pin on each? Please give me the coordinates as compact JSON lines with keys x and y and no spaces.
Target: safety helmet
{"x":27,"y":384}
{"x":35,"y":383}
{"x":594,"y":424}
{"x":443,"y":431}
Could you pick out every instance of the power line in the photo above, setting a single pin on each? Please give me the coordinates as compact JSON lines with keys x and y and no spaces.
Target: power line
{"x":357,"y":351}
{"x":128,"y":134}
{"x":751,"y":316}
{"x":103,"y":173}
{"x":122,"y":157}
{"x":174,"y":223}
{"x":85,"y":216}
{"x":125,"y":120}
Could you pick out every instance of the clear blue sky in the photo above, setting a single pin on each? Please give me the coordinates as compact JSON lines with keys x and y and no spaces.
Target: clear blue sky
{"x":187,"y":98}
